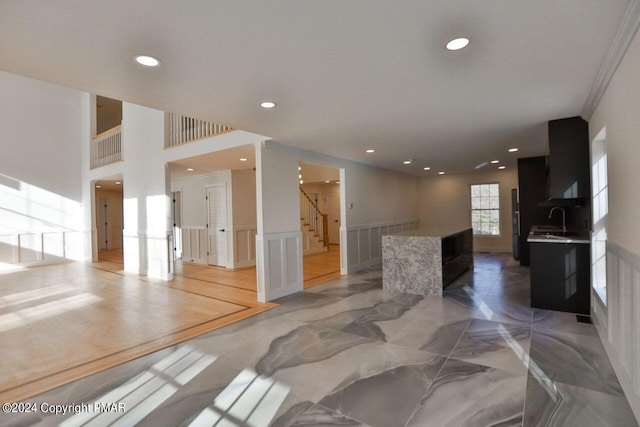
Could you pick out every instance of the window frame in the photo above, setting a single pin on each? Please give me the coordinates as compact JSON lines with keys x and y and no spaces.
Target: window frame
{"x":471,"y":210}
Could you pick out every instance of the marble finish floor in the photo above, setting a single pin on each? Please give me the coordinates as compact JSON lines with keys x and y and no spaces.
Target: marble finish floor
{"x":347,"y":353}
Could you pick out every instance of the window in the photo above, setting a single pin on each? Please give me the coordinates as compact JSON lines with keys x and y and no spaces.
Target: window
{"x":485,"y":209}
{"x":600,"y":204}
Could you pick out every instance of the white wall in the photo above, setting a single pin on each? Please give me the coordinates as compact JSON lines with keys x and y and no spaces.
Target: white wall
{"x":619,"y":323}
{"x":40,"y":171}
{"x":243,"y":184}
{"x":241,"y":215}
{"x":279,"y":238}
{"x":380,"y":201}
{"x":445,"y":202}
{"x":379,"y":195}
{"x":147,"y":203}
{"x":244,"y":228}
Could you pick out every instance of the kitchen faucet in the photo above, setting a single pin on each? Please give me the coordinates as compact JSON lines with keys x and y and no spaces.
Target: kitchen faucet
{"x":564,"y":224}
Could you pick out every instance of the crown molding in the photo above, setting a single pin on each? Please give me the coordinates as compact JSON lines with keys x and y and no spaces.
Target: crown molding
{"x":626,"y":32}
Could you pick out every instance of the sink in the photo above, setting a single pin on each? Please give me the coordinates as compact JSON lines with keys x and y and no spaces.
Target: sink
{"x":540,"y":232}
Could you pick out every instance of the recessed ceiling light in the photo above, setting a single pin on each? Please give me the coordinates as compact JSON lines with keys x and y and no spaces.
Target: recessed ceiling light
{"x":267,"y":104}
{"x":147,"y":61}
{"x":118,"y":183}
{"x":427,"y":168}
{"x":299,"y":168}
{"x":371,"y":150}
{"x":337,"y":182}
{"x":513,"y":150}
{"x":190,"y":169}
{"x":495,"y":161}
{"x":301,"y":182}
{"x":326,"y":182}
{"x":98,"y":186}
{"x":441,"y":173}
{"x":501,"y":167}
{"x":457,"y":44}
{"x":299,"y":176}
{"x":407,"y":162}
{"x":242,"y":159}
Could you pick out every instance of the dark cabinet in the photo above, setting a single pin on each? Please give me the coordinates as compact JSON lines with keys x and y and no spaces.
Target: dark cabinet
{"x":560,"y":276}
{"x":569,"y":170}
{"x":569,"y":159}
{"x":532,"y":188}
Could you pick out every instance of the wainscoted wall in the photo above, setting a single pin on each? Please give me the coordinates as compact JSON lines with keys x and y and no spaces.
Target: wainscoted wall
{"x":194,"y":244}
{"x":364,"y":243}
{"x":619,"y":322}
{"x":244,"y":246}
{"x":281,"y":273}
{"x":148,"y":254}
{"x":41,"y":247}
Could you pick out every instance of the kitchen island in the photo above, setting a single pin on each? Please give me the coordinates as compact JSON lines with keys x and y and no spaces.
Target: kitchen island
{"x":425,"y":261}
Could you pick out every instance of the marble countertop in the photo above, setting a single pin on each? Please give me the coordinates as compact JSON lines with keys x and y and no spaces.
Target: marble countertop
{"x":429,"y":232}
{"x":548,"y":234}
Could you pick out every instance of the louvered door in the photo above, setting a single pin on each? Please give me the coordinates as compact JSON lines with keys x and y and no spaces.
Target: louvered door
{"x":217,"y":223}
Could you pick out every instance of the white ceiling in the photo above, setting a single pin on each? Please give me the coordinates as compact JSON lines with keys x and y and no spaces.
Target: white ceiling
{"x":212,"y":162}
{"x":346,"y":75}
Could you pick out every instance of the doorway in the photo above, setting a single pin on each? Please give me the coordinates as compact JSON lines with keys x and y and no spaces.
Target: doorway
{"x":108,"y":214}
{"x":320,"y":198}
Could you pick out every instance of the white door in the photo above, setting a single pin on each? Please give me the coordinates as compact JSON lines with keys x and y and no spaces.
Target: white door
{"x":333,"y":218}
{"x":217,"y":224}
{"x":103,"y":223}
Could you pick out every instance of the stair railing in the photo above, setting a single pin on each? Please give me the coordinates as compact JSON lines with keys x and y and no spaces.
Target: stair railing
{"x":317,"y":221}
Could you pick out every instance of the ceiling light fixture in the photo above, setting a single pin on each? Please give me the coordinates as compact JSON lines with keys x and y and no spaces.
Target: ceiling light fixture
{"x":457,"y":44}
{"x":147,"y":61}
{"x":495,"y":161}
{"x":301,"y":182}
{"x":441,"y":173}
{"x":118,"y":183}
{"x":371,"y":150}
{"x":242,"y":159}
{"x":407,"y":162}
{"x":267,"y":104}
{"x":98,"y":186}
{"x":512,"y":150}
{"x":427,"y":168}
{"x":326,"y":182}
{"x":337,"y":182}
{"x":190,"y":169}
{"x":501,"y":167}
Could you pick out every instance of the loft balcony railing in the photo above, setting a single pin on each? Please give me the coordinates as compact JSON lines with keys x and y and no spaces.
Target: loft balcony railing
{"x":106,"y":148}
{"x":183,"y":129}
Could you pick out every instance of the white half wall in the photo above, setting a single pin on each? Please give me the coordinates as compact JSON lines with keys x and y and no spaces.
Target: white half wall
{"x":445,"y":201}
{"x":618,"y":323}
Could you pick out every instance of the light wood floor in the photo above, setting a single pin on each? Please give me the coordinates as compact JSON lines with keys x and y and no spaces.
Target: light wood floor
{"x":62,"y":322}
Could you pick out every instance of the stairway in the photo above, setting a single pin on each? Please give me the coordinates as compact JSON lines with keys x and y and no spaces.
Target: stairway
{"x":313,"y":223}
